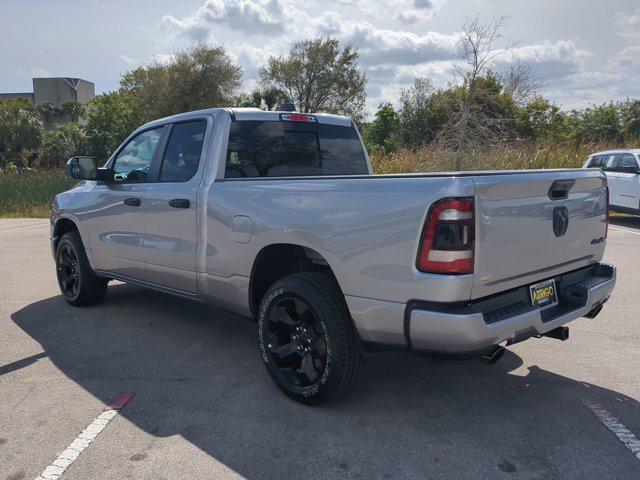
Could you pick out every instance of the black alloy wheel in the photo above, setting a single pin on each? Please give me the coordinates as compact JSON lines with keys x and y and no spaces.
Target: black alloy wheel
{"x":307,"y":339}
{"x":79,"y":284}
{"x":296,"y":342}
{"x":68,"y":271}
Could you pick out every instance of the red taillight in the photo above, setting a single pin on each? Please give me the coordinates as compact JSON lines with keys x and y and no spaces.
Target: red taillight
{"x":297,"y":117}
{"x":448,"y":238}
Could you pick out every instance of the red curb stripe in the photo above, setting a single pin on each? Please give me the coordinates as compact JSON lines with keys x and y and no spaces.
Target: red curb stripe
{"x":121,"y":400}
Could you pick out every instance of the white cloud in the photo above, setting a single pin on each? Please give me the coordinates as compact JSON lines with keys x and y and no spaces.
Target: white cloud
{"x":550,"y":60}
{"x":251,"y":16}
{"x":628,"y":59}
{"x":128,"y":60}
{"x":393,"y":46}
{"x":628,"y":24}
{"x":163,"y":58}
{"x":380,"y":46}
{"x":37,"y":72}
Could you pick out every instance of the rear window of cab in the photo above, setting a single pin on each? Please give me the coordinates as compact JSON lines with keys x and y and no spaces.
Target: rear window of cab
{"x":291,"y":148}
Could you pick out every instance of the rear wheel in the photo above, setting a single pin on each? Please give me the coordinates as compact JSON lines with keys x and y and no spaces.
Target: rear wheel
{"x":79,"y":285}
{"x":306,"y":338}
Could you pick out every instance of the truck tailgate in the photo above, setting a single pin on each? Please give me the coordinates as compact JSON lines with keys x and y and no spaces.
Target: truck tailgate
{"x":532,"y":226}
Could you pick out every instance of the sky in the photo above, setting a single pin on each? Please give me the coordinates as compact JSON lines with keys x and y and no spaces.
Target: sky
{"x":582,"y":51}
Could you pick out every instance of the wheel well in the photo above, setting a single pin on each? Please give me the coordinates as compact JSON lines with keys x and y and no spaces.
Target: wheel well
{"x":63,"y":226}
{"x":277,"y":261}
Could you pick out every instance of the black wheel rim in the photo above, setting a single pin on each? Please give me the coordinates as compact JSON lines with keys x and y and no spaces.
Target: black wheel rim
{"x":68,"y":271}
{"x":296,"y":342}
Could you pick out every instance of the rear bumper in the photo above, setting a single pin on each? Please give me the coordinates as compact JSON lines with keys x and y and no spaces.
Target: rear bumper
{"x":479,"y":326}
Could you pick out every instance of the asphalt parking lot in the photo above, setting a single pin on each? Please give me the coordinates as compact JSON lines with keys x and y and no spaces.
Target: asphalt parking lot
{"x":205,"y":408}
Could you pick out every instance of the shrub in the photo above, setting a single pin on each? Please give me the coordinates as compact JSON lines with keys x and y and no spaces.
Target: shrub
{"x":61,"y":144}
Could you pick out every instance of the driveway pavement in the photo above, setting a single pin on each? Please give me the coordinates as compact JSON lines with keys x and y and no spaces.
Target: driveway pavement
{"x":205,"y":408}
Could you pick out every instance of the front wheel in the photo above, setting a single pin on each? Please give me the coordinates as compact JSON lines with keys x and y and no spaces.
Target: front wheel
{"x":79,"y":285}
{"x":307,"y":339}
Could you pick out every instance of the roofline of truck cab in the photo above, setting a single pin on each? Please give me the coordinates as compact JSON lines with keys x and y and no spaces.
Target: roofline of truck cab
{"x":246,"y":114}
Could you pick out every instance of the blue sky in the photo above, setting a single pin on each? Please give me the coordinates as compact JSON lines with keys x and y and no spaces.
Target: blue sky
{"x":583,"y":51}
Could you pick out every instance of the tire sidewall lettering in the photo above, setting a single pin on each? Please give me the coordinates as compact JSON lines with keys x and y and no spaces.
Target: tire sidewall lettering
{"x":263,"y":313}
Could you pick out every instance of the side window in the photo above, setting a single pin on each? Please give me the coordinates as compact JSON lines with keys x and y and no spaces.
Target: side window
{"x":626,"y":161}
{"x":611,"y":163}
{"x":182,"y":155}
{"x":597,"y":162}
{"x":133,"y":163}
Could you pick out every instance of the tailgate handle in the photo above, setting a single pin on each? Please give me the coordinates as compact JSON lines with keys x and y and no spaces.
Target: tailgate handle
{"x":559,"y":190}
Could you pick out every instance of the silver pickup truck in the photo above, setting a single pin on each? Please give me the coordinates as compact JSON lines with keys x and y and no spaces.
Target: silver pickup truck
{"x":277,"y":216}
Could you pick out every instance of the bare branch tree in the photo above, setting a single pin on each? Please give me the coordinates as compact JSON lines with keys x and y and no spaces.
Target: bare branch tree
{"x":521,"y":82}
{"x":474,"y":124}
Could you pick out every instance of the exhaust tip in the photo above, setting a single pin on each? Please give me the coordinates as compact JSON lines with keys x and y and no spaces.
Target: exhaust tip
{"x":594,"y":313}
{"x":559,"y":333}
{"x":494,"y":356}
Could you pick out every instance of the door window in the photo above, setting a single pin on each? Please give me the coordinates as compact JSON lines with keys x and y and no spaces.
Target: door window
{"x":133,"y":163}
{"x":611,"y":163}
{"x":182,"y":155}
{"x":627,"y":160}
{"x":597,"y":162}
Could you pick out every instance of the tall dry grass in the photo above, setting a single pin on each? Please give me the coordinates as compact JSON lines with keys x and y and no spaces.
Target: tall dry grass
{"x":519,"y":156}
{"x":29,"y":194}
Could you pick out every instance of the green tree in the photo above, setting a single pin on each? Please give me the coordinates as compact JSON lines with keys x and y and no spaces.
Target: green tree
{"x":111,"y":117}
{"x":631,"y":119}
{"x":542,"y":119}
{"x":382,"y":132}
{"x":267,"y":98}
{"x":61,"y":144}
{"x":597,"y":123}
{"x":21,"y":131}
{"x":318,"y":76}
{"x":202,"y":76}
{"x":416,"y":127}
{"x":73,"y":109}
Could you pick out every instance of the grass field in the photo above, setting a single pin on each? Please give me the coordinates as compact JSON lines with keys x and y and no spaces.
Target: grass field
{"x":29,"y":194}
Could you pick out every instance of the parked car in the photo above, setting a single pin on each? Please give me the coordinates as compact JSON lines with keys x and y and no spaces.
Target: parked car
{"x":277,"y":216}
{"x":621,"y":169}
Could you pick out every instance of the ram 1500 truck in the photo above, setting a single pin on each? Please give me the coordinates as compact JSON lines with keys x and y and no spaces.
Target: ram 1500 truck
{"x":277,"y":216}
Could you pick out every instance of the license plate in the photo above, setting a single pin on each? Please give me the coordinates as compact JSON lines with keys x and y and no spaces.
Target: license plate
{"x":544,"y":294}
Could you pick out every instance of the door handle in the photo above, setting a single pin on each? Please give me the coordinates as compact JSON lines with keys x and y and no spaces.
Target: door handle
{"x":179,"y":203}
{"x":132,"y":202}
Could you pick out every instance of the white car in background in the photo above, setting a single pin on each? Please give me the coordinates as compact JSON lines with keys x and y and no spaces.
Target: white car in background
{"x":622,"y":171}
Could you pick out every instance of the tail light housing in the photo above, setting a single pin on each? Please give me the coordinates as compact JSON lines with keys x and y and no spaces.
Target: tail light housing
{"x":447,"y":241}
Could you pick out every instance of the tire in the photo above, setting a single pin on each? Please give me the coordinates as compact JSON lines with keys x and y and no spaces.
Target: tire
{"x":78,"y":283}
{"x":307,"y":339}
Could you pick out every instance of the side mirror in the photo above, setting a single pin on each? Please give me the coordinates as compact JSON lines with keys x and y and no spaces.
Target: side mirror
{"x":633,"y":169}
{"x":81,"y":168}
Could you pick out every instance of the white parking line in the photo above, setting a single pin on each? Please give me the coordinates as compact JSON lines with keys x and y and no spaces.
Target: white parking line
{"x":624,"y":230}
{"x":25,"y":227}
{"x":612,"y":423}
{"x":82,"y":441}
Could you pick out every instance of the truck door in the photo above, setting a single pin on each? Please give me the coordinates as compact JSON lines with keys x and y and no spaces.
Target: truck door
{"x":170,"y":220}
{"x":117,"y":221}
{"x":627,"y":172}
{"x":613,"y":178}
